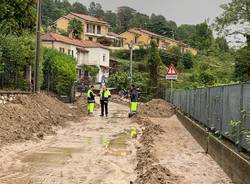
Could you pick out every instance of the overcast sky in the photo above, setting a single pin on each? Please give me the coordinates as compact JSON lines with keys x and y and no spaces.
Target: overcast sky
{"x":180,"y":11}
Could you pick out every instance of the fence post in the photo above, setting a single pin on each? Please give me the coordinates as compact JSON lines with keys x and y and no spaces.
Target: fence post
{"x":222,"y":109}
{"x":239,"y":136}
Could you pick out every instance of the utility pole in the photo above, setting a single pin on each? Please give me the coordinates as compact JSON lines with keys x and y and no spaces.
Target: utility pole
{"x":131,"y":60}
{"x":37,"y":57}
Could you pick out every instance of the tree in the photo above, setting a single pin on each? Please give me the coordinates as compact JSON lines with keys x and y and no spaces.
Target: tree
{"x":184,"y":31}
{"x":187,"y":60}
{"x":124,"y":15}
{"x":17,"y":17}
{"x":140,"y":20}
{"x":79,"y":8}
{"x":237,"y":12}
{"x":59,"y":71}
{"x":242,"y":66}
{"x":202,"y":38}
{"x":222,"y":44}
{"x":95,"y":9}
{"x":159,"y":24}
{"x":111,"y":18}
{"x":16,"y":54}
{"x":154,"y":62}
{"x":76,"y":28}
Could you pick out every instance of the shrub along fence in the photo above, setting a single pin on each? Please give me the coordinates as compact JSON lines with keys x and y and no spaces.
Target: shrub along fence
{"x":225,"y":110}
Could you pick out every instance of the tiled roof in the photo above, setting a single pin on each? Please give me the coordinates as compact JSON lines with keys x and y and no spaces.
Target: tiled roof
{"x":139,"y":31}
{"x":71,"y":41}
{"x":114,"y":35}
{"x":85,"y":17}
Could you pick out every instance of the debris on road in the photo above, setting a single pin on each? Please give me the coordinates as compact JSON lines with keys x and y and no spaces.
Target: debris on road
{"x":156,"y":108}
{"x":148,"y":168}
{"x":32,"y":116}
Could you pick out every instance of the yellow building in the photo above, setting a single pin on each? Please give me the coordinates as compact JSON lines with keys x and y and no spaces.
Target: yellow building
{"x":93,"y":27}
{"x":140,"y":37}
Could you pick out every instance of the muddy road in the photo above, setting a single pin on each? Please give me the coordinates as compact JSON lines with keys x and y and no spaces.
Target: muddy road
{"x":99,"y":150}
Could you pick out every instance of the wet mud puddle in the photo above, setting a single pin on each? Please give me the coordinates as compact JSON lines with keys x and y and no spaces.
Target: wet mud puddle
{"x":118,"y":146}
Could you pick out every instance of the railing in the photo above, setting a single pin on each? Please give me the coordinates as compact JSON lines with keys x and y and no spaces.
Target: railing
{"x":224,"y":110}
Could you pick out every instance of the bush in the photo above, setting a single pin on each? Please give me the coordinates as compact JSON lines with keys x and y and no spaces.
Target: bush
{"x":138,"y":54}
{"x":121,"y":81}
{"x":16,"y":53}
{"x":59,"y":71}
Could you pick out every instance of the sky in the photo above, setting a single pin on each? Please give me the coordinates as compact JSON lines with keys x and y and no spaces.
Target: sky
{"x":180,"y":11}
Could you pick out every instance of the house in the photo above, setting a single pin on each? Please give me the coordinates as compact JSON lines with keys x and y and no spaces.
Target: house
{"x":85,"y":52}
{"x":93,"y":28}
{"x":140,"y":37}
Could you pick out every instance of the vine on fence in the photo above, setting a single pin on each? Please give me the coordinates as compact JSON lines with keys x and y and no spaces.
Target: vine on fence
{"x":238,"y":128}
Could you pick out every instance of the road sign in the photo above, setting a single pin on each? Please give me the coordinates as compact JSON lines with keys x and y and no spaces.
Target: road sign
{"x":171,"y":73}
{"x":129,"y":75}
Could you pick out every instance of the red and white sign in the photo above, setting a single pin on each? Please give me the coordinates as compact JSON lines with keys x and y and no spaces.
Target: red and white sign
{"x":171,"y":73}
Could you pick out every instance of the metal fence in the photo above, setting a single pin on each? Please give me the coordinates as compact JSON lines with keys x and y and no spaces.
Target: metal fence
{"x":216,"y":107}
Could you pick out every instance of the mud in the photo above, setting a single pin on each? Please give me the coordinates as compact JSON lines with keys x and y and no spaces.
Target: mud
{"x":156,"y":108}
{"x":31,"y":117}
{"x":177,"y":150}
{"x":92,"y":151}
{"x":148,"y":168}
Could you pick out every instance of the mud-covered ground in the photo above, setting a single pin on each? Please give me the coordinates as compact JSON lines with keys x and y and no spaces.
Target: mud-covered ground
{"x":95,"y":150}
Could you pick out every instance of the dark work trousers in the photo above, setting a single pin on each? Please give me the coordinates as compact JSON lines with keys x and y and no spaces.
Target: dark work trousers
{"x":104,"y":106}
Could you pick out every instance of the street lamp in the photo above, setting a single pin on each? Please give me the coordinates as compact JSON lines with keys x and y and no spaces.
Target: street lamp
{"x":37,"y":57}
{"x":131,"y":59}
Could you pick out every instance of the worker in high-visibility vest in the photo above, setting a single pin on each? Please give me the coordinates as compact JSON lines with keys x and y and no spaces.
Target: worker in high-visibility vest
{"x":91,"y":100}
{"x":104,"y":98}
{"x":133,"y":99}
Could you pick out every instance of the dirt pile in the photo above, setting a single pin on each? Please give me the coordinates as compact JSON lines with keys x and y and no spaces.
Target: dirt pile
{"x":156,"y":108}
{"x":148,"y":168}
{"x":120,"y":100}
{"x":80,"y":106}
{"x":31,"y":116}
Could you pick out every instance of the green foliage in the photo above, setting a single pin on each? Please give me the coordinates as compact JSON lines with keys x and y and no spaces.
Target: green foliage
{"x":17,"y":17}
{"x":238,"y":128}
{"x":154,"y":62}
{"x":187,"y":60}
{"x":59,"y":71}
{"x":92,"y":70}
{"x":79,"y":8}
{"x":158,"y":24}
{"x":121,"y":81}
{"x":76,"y":28}
{"x":138,"y":54}
{"x":237,"y":13}
{"x":104,"y":41}
{"x":242,"y":66}
{"x":16,"y":53}
{"x":184,"y":31}
{"x":95,"y":9}
{"x":202,"y":37}
{"x":124,"y":15}
{"x":140,"y":20}
{"x":111,"y":18}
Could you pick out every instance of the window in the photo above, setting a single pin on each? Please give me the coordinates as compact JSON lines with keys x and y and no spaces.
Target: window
{"x":90,"y":28}
{"x":136,"y":38}
{"x":71,"y":52}
{"x":99,"y":29}
{"x":91,"y":38}
{"x":86,"y":73}
{"x":61,"y":49}
{"x":104,"y":58}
